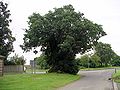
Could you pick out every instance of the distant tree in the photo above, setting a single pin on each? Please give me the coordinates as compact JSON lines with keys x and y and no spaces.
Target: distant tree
{"x":6,"y":39}
{"x":42,"y":61}
{"x":84,"y":61}
{"x":115,"y":61}
{"x":94,"y":61}
{"x":105,"y":52}
{"x":16,"y":60}
{"x":62,"y":34}
{"x":87,"y":61}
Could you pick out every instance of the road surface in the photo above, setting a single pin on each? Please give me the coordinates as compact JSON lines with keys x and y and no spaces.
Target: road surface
{"x":92,"y":80}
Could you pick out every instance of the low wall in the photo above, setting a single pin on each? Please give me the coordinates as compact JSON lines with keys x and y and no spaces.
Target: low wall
{"x":14,"y":68}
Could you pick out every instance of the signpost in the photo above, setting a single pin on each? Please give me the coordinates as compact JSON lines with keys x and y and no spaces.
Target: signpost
{"x":32,"y":64}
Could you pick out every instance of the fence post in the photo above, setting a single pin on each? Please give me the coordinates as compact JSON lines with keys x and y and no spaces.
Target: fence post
{"x":115,"y":70}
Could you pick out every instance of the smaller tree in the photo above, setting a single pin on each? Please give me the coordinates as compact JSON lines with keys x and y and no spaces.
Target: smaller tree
{"x":83,"y":61}
{"x":16,"y":60}
{"x":105,"y":52}
{"x":89,"y":61}
{"x":94,"y":61}
{"x":42,"y":62}
{"x":115,"y":61}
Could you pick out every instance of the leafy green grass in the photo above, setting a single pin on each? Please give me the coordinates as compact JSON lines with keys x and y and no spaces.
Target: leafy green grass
{"x":116,"y":76}
{"x":102,"y":68}
{"x":49,"y":81}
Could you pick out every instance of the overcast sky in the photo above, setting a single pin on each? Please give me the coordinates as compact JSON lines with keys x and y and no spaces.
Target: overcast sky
{"x":104,"y":12}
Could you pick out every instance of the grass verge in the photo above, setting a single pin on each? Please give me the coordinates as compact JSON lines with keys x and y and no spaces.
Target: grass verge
{"x":116,"y":76}
{"x":36,"y":70}
{"x":49,"y":81}
{"x":102,"y":68}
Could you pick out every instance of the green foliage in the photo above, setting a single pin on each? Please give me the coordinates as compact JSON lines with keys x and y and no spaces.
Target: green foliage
{"x":62,"y":34}
{"x":83,"y":61}
{"x":89,"y":61}
{"x":116,"y":76}
{"x":104,"y":56}
{"x":42,"y":62}
{"x":6,"y":39}
{"x":15,"y":60}
{"x":65,"y":66}
{"x":115,"y":61}
{"x":105,"y":52}
{"x":94,"y":61}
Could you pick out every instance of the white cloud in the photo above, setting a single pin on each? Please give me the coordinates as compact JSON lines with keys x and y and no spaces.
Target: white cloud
{"x":104,"y":12}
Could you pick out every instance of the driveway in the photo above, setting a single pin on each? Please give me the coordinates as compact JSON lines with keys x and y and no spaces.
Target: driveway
{"x":92,"y":80}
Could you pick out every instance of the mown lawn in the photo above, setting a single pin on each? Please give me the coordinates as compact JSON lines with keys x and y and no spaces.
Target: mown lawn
{"x":49,"y":81}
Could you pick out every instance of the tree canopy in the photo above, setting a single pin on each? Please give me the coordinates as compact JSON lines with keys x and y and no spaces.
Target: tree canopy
{"x":16,"y":60}
{"x":41,"y":61}
{"x":105,"y":52}
{"x":116,"y":60}
{"x":6,"y":38}
{"x":61,"y":33}
{"x":89,"y":61}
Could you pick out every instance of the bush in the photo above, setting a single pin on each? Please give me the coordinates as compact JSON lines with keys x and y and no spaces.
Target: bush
{"x":66,"y":66}
{"x":15,"y":60}
{"x":85,"y":61}
{"x":42,"y":62}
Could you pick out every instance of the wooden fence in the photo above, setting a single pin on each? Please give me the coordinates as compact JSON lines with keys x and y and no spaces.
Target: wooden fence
{"x":1,"y":67}
{"x":14,"y":68}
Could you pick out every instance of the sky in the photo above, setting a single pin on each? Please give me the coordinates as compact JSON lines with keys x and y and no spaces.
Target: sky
{"x":104,"y":12}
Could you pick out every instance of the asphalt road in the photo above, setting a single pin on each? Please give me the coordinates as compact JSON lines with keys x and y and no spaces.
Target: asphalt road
{"x":92,"y":80}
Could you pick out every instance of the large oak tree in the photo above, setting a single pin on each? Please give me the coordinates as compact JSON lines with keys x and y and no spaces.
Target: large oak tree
{"x":61,"y":33}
